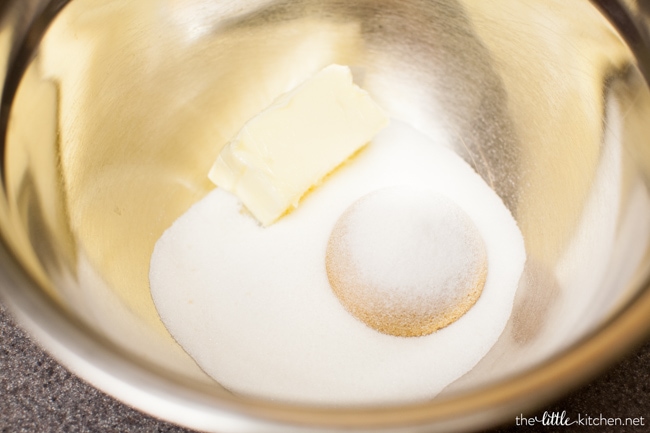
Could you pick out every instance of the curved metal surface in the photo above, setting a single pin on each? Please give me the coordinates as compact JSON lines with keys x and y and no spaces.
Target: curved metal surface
{"x":33,"y":275}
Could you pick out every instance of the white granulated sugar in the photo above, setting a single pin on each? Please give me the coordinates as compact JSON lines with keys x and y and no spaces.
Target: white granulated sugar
{"x":254,"y":308}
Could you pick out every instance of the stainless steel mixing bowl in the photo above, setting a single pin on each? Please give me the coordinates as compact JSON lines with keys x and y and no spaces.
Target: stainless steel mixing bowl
{"x":112,"y":112}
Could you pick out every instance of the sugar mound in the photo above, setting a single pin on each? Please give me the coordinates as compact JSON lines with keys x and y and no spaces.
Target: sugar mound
{"x":405,"y":261}
{"x":254,"y":308}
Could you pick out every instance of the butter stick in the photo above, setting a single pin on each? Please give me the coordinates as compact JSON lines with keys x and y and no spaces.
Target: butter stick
{"x":292,"y":145}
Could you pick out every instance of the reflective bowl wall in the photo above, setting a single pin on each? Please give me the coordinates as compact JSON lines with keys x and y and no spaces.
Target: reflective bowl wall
{"x":113,"y":112}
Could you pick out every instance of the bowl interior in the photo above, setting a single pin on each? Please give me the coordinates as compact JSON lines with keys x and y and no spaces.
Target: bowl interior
{"x":124,"y":106}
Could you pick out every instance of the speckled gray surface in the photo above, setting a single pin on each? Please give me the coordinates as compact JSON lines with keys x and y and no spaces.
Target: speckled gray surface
{"x":38,"y":395}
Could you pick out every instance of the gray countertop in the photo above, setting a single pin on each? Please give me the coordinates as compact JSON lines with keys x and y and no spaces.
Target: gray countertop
{"x":39,"y":395}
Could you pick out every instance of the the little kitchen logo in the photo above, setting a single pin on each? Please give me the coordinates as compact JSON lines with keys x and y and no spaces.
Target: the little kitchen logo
{"x":560,"y":419}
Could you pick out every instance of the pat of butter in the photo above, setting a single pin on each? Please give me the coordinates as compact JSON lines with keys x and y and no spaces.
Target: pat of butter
{"x":291,"y":146}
